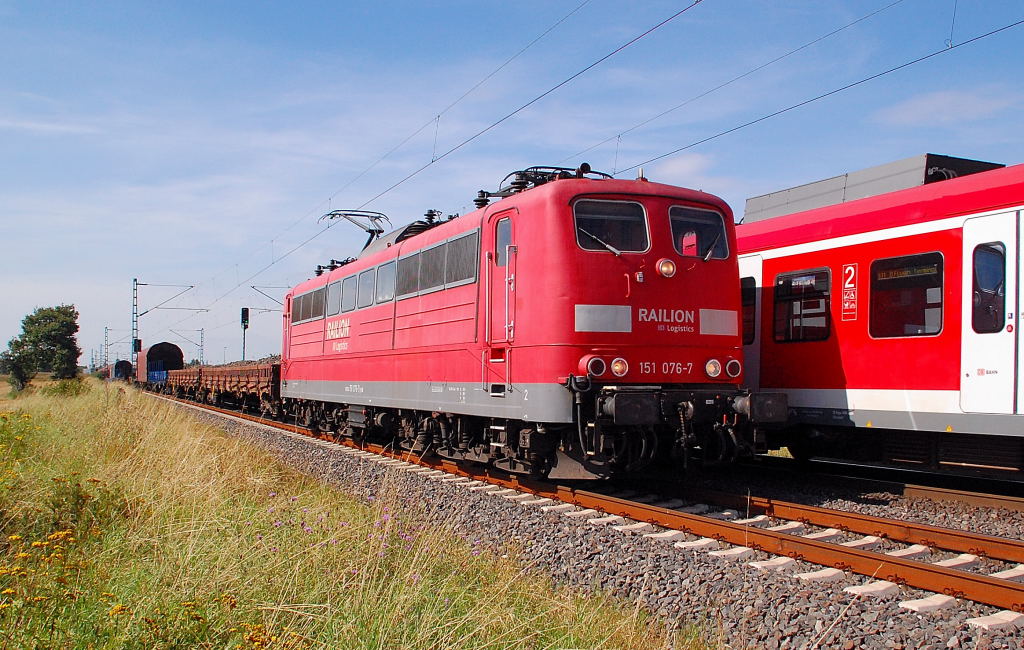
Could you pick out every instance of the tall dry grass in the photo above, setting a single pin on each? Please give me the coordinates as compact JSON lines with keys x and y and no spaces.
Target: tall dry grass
{"x":125,"y":523}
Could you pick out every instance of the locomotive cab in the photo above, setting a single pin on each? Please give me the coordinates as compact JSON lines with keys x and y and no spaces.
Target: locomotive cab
{"x":622,"y":293}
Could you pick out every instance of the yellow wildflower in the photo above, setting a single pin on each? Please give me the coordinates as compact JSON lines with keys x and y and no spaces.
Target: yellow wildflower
{"x":39,"y":599}
{"x":7,"y":592}
{"x":117,"y":610}
{"x":38,"y":544}
{"x":19,"y":438}
{"x":13,"y":538}
{"x":61,"y":534}
{"x":22,"y":556}
{"x":4,"y":606}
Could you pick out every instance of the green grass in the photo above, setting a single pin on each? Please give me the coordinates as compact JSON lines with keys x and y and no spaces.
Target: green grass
{"x":125,"y":523}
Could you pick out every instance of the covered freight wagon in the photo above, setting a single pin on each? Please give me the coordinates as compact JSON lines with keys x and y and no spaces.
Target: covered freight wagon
{"x":155,"y":361}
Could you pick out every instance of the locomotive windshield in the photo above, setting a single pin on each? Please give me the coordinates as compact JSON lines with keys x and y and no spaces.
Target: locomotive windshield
{"x":615,"y":226}
{"x":698,"y":233}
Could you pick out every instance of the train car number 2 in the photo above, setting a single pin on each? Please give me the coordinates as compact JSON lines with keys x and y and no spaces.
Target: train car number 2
{"x":666,"y":367}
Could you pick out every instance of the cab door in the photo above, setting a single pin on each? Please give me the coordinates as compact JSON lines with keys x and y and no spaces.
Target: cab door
{"x":501,"y":298}
{"x":988,"y":349}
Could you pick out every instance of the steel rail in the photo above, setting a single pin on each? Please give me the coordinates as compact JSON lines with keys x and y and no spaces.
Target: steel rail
{"x":971,"y":498}
{"x":997,"y":592}
{"x":900,"y":480}
{"x":950,"y":539}
{"x":961,"y":584}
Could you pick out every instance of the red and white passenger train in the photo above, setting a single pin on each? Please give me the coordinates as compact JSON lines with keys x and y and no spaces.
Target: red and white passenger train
{"x":580,"y":325}
{"x":892,"y":323}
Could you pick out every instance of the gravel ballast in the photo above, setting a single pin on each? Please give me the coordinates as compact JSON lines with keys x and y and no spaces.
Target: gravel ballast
{"x":739,"y":606}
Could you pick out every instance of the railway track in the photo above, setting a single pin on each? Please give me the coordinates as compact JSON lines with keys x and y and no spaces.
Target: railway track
{"x":730,"y":536}
{"x":978,"y":490}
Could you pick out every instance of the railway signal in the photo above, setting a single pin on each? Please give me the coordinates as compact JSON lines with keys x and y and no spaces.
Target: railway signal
{"x":245,"y":326}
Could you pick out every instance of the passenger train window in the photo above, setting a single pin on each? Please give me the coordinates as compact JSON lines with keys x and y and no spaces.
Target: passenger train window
{"x":296,"y":308}
{"x":386,"y":282}
{"x":333,"y":298}
{"x":698,"y":233}
{"x":348,"y":294}
{"x":408,"y":276}
{"x":748,"y":297}
{"x":988,"y":310}
{"x":366,"y":284}
{"x":802,"y":306}
{"x":614,"y":226}
{"x":304,"y":305}
{"x":502,"y":240}
{"x":906,"y":296}
{"x":432,"y":267}
{"x":316,"y":309}
{"x":463,"y":257}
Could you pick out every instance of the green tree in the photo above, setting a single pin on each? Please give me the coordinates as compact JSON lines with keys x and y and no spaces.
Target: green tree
{"x":48,"y":342}
{"x":19,"y":362}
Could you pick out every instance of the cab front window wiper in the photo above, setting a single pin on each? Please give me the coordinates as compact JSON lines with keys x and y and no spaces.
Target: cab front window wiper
{"x":611,"y":248}
{"x":711,"y":248}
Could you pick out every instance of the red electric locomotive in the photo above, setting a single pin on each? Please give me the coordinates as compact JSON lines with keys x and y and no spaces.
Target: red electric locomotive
{"x":891,"y":322}
{"x":578,"y":326}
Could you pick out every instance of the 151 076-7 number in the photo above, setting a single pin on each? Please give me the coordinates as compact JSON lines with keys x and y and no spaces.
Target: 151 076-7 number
{"x":666,"y":367}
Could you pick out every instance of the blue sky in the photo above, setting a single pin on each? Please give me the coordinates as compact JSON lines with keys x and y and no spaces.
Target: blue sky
{"x":196,"y":143}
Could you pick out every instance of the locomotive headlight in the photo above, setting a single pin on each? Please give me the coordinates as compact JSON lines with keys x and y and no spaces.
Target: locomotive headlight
{"x":666,"y":267}
{"x":620,"y":367}
{"x":733,"y":368}
{"x":596,"y":366}
{"x":713,"y":368}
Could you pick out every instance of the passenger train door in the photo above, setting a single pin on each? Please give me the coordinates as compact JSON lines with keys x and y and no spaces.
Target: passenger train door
{"x":501,"y":307}
{"x":990,"y":331}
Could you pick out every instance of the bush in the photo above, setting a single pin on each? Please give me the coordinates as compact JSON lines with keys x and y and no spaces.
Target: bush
{"x":66,"y":388}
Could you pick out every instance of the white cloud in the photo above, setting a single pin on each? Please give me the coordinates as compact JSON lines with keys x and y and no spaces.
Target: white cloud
{"x":47,"y":128}
{"x":946,"y":107}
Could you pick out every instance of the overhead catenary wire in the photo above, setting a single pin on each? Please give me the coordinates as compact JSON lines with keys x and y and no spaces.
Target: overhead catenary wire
{"x":834,"y":91}
{"x":655,"y":158}
{"x":435,"y":120}
{"x":617,"y":137}
{"x":533,"y":101}
{"x":464,"y":142}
